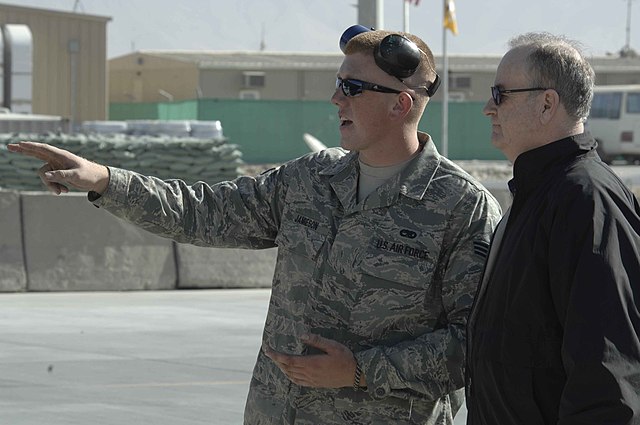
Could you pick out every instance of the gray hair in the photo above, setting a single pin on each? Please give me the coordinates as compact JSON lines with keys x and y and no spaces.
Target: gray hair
{"x":558,"y":63}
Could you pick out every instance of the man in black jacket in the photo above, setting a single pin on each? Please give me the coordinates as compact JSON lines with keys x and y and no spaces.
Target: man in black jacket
{"x":554,"y":335}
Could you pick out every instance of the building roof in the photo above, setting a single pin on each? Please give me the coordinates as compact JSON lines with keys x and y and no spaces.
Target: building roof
{"x":253,"y":60}
{"x":250,"y":59}
{"x":614,"y":64}
{"x":57,"y":13}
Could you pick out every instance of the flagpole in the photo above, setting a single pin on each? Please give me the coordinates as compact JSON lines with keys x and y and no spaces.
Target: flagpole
{"x":405,"y":26}
{"x":445,"y":87}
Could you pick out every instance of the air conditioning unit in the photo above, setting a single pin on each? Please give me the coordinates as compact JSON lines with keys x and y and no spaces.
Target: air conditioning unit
{"x":460,"y":82}
{"x":456,"y":97}
{"x":249,"y":95}
{"x":253,"y":79}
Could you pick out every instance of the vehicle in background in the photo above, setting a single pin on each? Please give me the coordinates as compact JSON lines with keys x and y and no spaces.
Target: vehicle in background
{"x":614,"y":122}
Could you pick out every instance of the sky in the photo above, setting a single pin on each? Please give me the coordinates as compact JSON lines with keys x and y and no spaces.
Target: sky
{"x":315,"y":25}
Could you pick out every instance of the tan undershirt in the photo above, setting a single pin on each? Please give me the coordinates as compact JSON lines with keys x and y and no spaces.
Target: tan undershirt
{"x":372,"y":178}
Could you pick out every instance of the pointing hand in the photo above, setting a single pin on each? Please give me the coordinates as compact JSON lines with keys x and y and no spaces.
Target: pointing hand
{"x":64,"y":169}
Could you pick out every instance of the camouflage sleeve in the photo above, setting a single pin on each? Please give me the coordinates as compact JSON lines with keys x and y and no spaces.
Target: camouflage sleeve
{"x":432,"y":364}
{"x":243,"y":213}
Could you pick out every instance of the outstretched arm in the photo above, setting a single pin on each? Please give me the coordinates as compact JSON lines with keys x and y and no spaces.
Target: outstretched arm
{"x":64,"y":169}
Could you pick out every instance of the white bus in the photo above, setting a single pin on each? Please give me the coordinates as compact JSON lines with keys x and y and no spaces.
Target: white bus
{"x":614,"y":122}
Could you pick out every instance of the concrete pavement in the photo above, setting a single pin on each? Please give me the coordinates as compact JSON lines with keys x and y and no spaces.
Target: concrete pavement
{"x":157,"y":358}
{"x":181,"y":357}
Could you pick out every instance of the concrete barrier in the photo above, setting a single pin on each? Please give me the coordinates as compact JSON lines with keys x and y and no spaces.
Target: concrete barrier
{"x":13,"y":275}
{"x":200,"y":267}
{"x":63,"y":243}
{"x":71,"y":245}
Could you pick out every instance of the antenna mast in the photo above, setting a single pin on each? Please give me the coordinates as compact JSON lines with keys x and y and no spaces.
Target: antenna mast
{"x":627,"y":45}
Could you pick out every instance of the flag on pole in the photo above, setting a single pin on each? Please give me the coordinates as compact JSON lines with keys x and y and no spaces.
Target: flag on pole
{"x":416,"y":2}
{"x":450,"y":16}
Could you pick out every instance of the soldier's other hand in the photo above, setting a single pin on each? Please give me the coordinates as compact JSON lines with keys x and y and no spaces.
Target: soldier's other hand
{"x":63,"y":169}
{"x":335,"y":368}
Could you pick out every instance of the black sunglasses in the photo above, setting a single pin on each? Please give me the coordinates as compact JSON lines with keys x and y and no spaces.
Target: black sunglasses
{"x":351,"y":87}
{"x":396,"y":55}
{"x":496,"y":92}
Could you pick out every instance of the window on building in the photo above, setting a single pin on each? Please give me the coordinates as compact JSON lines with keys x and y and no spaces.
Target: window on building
{"x":459,"y":82}
{"x":253,"y":79}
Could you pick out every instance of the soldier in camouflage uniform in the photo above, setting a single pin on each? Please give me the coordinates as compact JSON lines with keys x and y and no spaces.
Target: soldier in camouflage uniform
{"x":375,"y":275}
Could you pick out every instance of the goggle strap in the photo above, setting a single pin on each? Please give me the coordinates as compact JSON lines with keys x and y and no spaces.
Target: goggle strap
{"x":433,"y":88}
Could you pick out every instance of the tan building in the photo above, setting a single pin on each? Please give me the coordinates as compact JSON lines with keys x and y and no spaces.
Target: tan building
{"x":159,"y":76}
{"x":155,"y":76}
{"x":69,"y":61}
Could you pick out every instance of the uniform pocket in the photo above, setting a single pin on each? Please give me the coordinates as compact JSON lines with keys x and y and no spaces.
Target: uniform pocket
{"x":392,"y":299}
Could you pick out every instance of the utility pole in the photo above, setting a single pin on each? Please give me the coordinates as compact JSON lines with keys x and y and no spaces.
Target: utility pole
{"x":405,"y":14}
{"x":627,"y":45}
{"x":78,"y":5}
{"x":370,"y":13}
{"x":627,"y":51}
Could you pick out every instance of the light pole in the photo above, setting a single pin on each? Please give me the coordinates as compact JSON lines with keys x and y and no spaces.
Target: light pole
{"x":626,"y":50}
{"x":628,"y":43}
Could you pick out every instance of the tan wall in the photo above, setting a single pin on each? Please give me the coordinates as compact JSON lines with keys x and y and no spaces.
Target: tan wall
{"x":131,"y":82}
{"x":294,"y":84}
{"x":137,"y":77}
{"x":279,"y":84}
{"x":141,"y":78}
{"x":52,"y":61}
{"x":617,"y":78}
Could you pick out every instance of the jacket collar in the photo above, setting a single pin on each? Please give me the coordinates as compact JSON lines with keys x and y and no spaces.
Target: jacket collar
{"x":532,"y":167}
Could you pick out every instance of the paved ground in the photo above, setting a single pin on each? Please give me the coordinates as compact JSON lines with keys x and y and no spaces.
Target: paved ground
{"x":179,"y":357}
{"x":129,"y":358}
{"x":125,"y":358}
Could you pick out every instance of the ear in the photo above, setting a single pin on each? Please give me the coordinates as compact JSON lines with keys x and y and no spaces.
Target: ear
{"x":402,"y":105}
{"x":550,"y":106}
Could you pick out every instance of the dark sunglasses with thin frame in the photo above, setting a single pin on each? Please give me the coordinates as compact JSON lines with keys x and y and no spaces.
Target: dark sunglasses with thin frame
{"x":497,"y":92}
{"x":351,"y":87}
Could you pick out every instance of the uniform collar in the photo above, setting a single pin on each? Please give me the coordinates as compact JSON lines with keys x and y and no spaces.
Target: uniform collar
{"x":412,"y":182}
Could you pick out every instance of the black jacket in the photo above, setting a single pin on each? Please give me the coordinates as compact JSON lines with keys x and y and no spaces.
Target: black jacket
{"x":554,"y":337}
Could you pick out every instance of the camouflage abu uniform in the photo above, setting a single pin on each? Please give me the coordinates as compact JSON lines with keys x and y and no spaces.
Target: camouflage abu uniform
{"x":392,"y":278}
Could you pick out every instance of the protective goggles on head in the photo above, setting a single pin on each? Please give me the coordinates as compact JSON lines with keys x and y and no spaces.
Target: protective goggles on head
{"x":396,"y":55}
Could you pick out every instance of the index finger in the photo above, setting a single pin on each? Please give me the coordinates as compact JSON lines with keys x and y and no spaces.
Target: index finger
{"x":41,"y":151}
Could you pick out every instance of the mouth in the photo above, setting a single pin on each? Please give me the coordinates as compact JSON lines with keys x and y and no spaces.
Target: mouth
{"x":345,"y":122}
{"x":495,"y":130}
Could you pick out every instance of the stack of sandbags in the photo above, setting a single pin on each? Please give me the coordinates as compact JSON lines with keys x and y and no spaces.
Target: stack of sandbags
{"x":189,"y":159}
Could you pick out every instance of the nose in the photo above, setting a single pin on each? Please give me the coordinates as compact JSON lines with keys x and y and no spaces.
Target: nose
{"x":337,"y":97}
{"x":489,"y":108}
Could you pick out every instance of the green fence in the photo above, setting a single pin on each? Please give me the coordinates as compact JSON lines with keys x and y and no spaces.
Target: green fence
{"x":269,"y":131}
